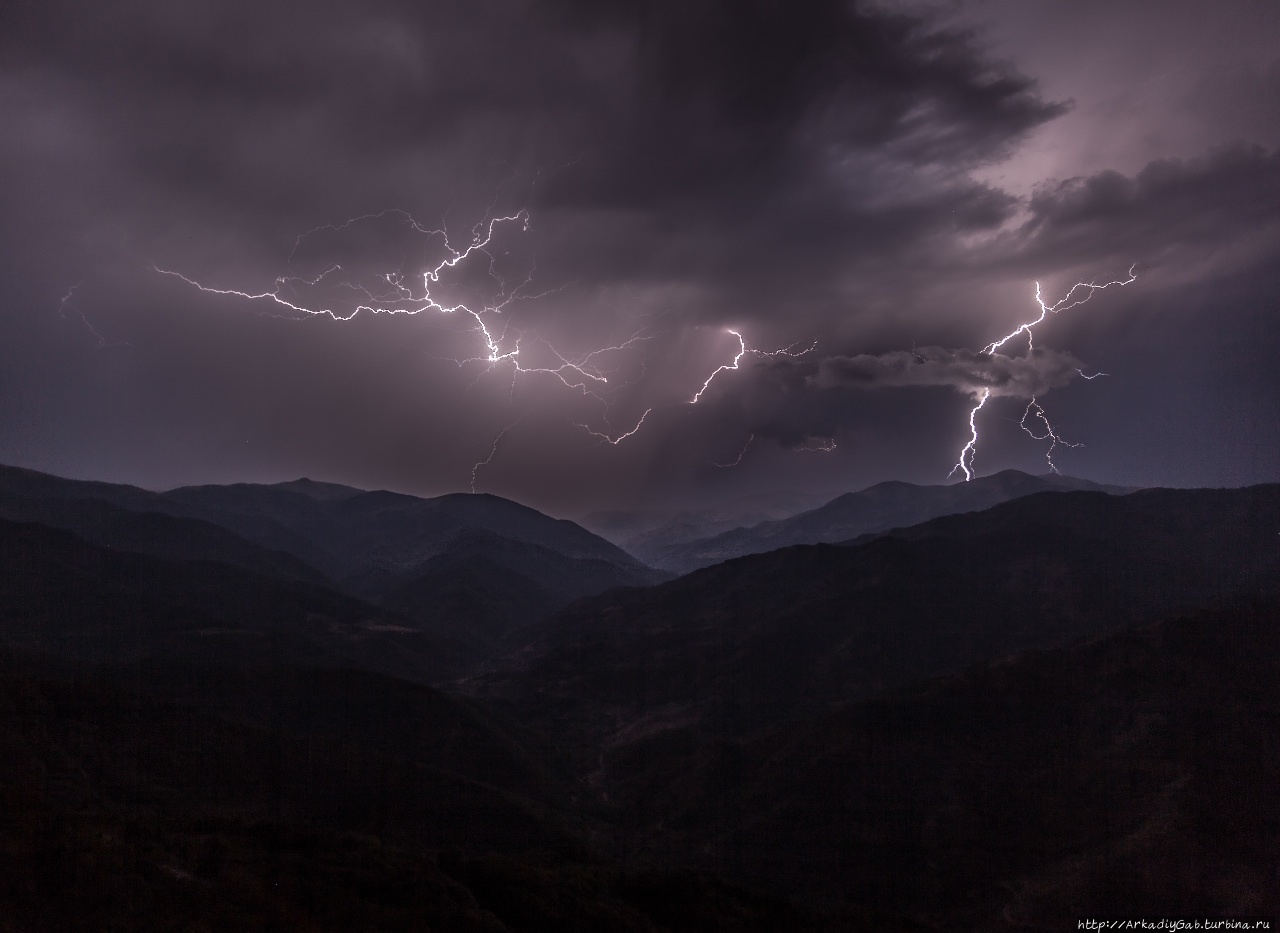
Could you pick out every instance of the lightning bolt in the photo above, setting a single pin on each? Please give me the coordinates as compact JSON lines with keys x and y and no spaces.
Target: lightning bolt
{"x":493,"y":452}
{"x":965,"y":463}
{"x":398,"y":294}
{"x":1067,"y":302}
{"x":332,"y":294}
{"x":66,"y":304}
{"x":500,"y":342}
{"x":615,"y":441}
{"x":742,"y":453}
{"x":1048,"y":435}
{"x":743,"y":350}
{"x":482,"y":236}
{"x":1077,"y":295}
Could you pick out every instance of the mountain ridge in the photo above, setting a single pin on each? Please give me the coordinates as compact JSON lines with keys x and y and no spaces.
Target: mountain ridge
{"x":372,"y":545}
{"x":762,"y":638}
{"x":885,"y":505}
{"x":981,"y":721}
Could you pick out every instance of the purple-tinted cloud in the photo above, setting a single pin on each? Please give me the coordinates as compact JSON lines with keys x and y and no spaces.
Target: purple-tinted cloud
{"x":825,"y":171}
{"x":967,"y":371}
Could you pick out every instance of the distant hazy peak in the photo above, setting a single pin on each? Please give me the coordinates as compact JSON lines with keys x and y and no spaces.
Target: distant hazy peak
{"x":318,"y":490}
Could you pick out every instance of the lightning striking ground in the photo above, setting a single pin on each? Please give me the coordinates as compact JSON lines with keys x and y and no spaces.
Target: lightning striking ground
{"x":1070,"y":300}
{"x":965,"y":463}
{"x":329,"y":293}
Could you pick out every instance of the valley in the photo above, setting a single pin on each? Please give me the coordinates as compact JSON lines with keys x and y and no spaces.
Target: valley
{"x":309,"y":706}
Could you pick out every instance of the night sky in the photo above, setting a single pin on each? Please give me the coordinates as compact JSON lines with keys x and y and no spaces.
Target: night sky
{"x":876,"y":188}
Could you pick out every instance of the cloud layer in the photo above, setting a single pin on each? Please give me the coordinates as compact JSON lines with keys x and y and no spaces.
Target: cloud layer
{"x":967,"y":371}
{"x":819,"y":172}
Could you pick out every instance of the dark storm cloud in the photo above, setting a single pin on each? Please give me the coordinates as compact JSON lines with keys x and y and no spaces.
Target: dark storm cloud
{"x":701,"y":142}
{"x":761,"y":150}
{"x":1211,"y":201}
{"x":729,"y":95}
{"x":795,"y":171}
{"x":964,"y":370}
{"x":792,"y":400}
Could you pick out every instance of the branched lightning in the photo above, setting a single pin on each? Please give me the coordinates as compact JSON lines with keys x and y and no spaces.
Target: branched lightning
{"x":397,"y":292}
{"x":615,"y":441}
{"x":1048,"y":435}
{"x":401,"y":299}
{"x":66,"y":304}
{"x":500,"y":342}
{"x":1067,"y":302}
{"x":1078,"y":294}
{"x":415,"y":294}
{"x":743,"y":350}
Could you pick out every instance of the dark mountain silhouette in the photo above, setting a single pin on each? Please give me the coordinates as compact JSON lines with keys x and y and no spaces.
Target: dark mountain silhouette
{"x":762,"y":640}
{"x":469,"y":565}
{"x":878,"y":508}
{"x":483,"y":586}
{"x":649,"y":530}
{"x":1132,"y":775}
{"x":371,"y":538}
{"x":17,"y":484}
{"x":421,"y":556}
{"x":998,"y":720}
{"x":384,"y":716}
{"x":149,"y":532}
{"x":21,"y":483}
{"x":178,"y":797}
{"x":324,"y":492}
{"x":64,"y":596}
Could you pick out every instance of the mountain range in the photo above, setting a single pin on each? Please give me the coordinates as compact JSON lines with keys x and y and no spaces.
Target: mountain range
{"x":878,"y":508}
{"x":762,"y":640}
{"x":417,"y":557}
{"x":639,"y":530}
{"x":306,"y":706}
